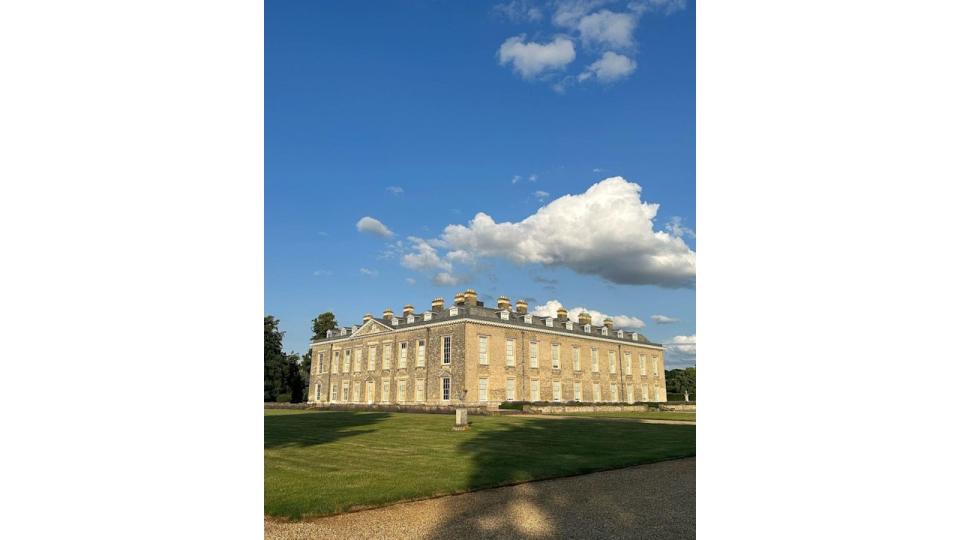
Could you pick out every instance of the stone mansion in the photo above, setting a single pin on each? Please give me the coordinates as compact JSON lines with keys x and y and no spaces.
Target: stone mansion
{"x":484,"y":356}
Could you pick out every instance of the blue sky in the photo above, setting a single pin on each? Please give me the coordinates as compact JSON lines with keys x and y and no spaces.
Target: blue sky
{"x":420,"y":115}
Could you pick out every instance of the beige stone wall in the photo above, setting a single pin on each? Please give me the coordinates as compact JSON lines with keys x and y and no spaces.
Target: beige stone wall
{"x":497,"y":372}
{"x":465,"y":370}
{"x":431,"y":373}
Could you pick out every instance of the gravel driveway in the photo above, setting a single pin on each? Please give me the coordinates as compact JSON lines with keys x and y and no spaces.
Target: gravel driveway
{"x":656,"y":501}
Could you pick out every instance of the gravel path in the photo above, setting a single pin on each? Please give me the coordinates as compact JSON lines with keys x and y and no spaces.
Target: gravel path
{"x":656,"y":501}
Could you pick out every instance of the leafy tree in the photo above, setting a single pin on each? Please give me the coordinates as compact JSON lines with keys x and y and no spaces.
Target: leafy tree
{"x":273,"y":359}
{"x":305,"y":363}
{"x":680,"y":380}
{"x":325,"y":321}
{"x":293,"y":381}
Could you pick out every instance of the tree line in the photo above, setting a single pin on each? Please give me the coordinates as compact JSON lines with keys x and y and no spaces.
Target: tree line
{"x":287,"y":374}
{"x":680,"y":380}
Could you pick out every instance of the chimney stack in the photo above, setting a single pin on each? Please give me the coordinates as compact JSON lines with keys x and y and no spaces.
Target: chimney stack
{"x":503,"y":303}
{"x":584,"y":318}
{"x":437,"y":304}
{"x":562,"y":314}
{"x":458,"y":299}
{"x":470,"y":297}
{"x":608,"y":322}
{"x":367,"y":317}
{"x":407,"y":310}
{"x":388,"y":314}
{"x":522,"y":307}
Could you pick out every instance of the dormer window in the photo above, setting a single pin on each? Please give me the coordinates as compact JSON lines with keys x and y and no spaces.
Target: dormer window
{"x":353,"y":329}
{"x":528,"y":318}
{"x":568,"y":325}
{"x":343,"y":331}
{"x":549,"y":322}
{"x":586,"y":329}
{"x":635,"y":336}
{"x":329,"y":333}
{"x":395,"y":321}
{"x":410,"y":319}
{"x":427,"y":315}
{"x":454,"y":312}
{"x":619,"y":333}
{"x":505,"y":315}
{"x":603,"y":330}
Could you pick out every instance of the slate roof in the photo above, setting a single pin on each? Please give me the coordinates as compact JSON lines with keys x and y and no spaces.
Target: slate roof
{"x":516,"y":319}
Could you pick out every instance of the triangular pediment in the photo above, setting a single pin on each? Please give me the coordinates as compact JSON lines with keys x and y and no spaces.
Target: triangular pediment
{"x":372,"y":326}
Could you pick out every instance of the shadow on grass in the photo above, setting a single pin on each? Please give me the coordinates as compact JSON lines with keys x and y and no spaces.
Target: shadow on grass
{"x":638,"y":503}
{"x":311,"y":428}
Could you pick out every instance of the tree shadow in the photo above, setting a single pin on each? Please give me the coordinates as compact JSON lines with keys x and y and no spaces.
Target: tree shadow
{"x":653,"y":502}
{"x":315,"y":428}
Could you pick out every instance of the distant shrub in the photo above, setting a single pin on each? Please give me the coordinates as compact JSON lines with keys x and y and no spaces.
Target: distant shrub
{"x":679,"y":397}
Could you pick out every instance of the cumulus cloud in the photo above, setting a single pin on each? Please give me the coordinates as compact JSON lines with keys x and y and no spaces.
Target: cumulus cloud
{"x":516,"y":178}
{"x":663,"y":319}
{"x":666,"y":7}
{"x":368,"y":272}
{"x":597,"y":317}
{"x":519,"y":11}
{"x":370,"y":225}
{"x":609,"y":68}
{"x":448,"y":279}
{"x":569,"y":12}
{"x":532,"y":59}
{"x":424,"y":257}
{"x":608,"y":29}
{"x":541,"y":195}
{"x":681,"y":351}
{"x":675,"y":227}
{"x":411,"y":281}
{"x":395,"y":190}
{"x":606,"y":231}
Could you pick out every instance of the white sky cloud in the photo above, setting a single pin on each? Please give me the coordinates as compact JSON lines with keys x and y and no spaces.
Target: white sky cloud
{"x":569,"y":12}
{"x":540,"y":194}
{"x":609,"y":68}
{"x":665,"y":6}
{"x":447,"y":279}
{"x":368,"y":272}
{"x":532,"y":59}
{"x":411,"y":281}
{"x":681,"y":351}
{"x":606,"y":231}
{"x":619,"y":321}
{"x":519,"y":11}
{"x":424,"y":257}
{"x":608,"y":29}
{"x":371,"y":225}
{"x":395,"y":190}
{"x":663,"y":319}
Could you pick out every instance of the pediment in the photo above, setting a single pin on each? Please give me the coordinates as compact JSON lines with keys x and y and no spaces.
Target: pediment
{"x":372,"y":327}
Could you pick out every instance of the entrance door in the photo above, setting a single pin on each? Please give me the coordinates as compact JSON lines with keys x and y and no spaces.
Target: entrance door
{"x":370,"y":389}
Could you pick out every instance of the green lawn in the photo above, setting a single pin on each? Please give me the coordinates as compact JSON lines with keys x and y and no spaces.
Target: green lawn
{"x":318,"y":463}
{"x":649,"y":415}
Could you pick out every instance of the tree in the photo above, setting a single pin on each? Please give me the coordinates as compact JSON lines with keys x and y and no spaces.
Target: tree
{"x":273,"y":359}
{"x":680,"y":380}
{"x":305,"y":363}
{"x":325,"y":321}
{"x":293,"y":380}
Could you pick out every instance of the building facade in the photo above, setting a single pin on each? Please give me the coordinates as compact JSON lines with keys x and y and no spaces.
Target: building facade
{"x":482,"y":356}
